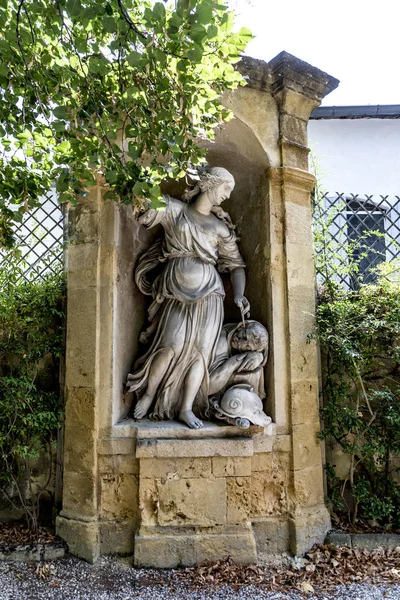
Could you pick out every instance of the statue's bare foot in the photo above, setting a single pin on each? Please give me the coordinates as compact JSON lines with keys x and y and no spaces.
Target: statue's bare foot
{"x":188,"y":417}
{"x":142,"y":406}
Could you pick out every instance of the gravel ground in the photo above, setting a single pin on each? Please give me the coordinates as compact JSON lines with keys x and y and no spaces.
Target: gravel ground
{"x":115,"y":579}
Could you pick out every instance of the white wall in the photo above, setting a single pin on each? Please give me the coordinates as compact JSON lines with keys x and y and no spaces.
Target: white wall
{"x":357,"y":156}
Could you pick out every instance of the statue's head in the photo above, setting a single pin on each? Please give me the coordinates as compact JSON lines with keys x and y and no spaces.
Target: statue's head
{"x":218,"y":182}
{"x":252,"y":337}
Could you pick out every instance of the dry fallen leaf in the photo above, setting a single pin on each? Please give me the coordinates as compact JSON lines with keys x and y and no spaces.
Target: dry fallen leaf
{"x":306,"y":587}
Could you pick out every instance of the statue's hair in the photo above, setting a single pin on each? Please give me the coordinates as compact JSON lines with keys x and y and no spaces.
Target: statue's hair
{"x":256,"y":332}
{"x":210,"y":178}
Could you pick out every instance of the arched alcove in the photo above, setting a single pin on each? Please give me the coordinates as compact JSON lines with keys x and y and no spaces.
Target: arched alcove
{"x":237,"y":149}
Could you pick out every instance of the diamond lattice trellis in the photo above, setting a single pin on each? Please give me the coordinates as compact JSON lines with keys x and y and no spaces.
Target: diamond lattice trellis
{"x":40,"y":240}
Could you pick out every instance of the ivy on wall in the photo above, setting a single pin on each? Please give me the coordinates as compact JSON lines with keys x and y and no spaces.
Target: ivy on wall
{"x":31,"y":344}
{"x":359,"y":335}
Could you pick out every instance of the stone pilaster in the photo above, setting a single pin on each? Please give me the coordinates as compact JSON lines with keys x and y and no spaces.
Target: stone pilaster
{"x":298,"y":88}
{"x":89,"y":312}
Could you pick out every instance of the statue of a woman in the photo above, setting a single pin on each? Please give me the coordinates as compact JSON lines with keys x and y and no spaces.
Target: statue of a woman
{"x":171,"y":380}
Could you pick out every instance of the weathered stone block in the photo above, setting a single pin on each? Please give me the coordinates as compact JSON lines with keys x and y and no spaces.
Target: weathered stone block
{"x":282,"y":443}
{"x":117,"y":537}
{"x":80,"y":493}
{"x":308,"y":528}
{"x":83,"y":224}
{"x":118,"y":464}
{"x":308,"y":486}
{"x":239,"y":546}
{"x":79,"y":448}
{"x":238,"y":490}
{"x":119,"y":496}
{"x":80,"y":407}
{"x":164,"y":552}
{"x":305,"y":408}
{"x":306,"y":446}
{"x":294,"y":155}
{"x":338,"y":538}
{"x":271,"y":464}
{"x":183,"y":548}
{"x":178,"y":468}
{"x":82,"y":265}
{"x":239,"y":466}
{"x":264,"y":443}
{"x":192,"y":502}
{"x":268,"y":494}
{"x":294,"y":129}
{"x":81,"y":338}
{"x":372,"y":541}
{"x":148,"y":502}
{"x":82,"y":537}
{"x":116,"y":446}
{"x":54,"y":551}
{"x":271,"y":537}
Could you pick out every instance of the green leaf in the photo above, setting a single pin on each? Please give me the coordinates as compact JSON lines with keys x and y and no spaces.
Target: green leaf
{"x":204,"y":13}
{"x":58,"y":125}
{"x":245,"y":33}
{"x":74,"y":8}
{"x":134,"y":59}
{"x":64,"y":147}
{"x":60,"y":112}
{"x":111,"y":176}
{"x":197,"y":33}
{"x":212,"y":31}
{"x":109,"y":25}
{"x":159,"y":11}
{"x":24,"y":136}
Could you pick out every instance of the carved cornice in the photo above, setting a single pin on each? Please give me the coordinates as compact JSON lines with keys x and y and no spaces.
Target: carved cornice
{"x":289,"y":72}
{"x":286,"y":71}
{"x":291,"y":176}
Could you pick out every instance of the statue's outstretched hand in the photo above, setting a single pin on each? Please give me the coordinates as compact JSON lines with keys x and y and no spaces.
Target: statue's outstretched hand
{"x":243,"y":304}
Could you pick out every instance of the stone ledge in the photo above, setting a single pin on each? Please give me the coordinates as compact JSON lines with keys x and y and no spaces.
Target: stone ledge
{"x":37,"y":553}
{"x":173,"y":448}
{"x":364,"y":541}
{"x":147,"y":429}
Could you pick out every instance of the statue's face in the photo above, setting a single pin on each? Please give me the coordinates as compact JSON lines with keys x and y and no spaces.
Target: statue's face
{"x":222,"y":192}
{"x":249,"y":339}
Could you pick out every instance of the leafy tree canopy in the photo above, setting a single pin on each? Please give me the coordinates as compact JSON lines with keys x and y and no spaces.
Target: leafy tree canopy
{"x":119,"y":87}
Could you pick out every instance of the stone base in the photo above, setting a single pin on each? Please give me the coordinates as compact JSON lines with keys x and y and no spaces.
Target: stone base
{"x":155,"y":547}
{"x":82,"y":537}
{"x":307,"y":528}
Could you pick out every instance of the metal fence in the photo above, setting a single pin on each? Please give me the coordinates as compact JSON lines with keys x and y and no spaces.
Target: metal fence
{"x":39,"y":241}
{"x":355,"y":236}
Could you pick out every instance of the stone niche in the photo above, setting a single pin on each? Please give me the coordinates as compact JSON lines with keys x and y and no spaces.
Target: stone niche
{"x":160,"y":491}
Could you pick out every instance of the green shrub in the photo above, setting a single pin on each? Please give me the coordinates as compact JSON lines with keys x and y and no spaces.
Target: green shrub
{"x":359,"y":333}
{"x":31,"y":344}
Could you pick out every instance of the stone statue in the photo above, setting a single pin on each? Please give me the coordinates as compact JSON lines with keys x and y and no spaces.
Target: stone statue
{"x":174,"y":378}
{"x":237,"y":374}
{"x":241,"y":354}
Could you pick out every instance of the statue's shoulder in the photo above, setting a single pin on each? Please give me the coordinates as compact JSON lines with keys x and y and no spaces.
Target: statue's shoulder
{"x":174,"y":205}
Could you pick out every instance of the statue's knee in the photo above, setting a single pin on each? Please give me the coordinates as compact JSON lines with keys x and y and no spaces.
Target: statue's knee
{"x":167,"y":354}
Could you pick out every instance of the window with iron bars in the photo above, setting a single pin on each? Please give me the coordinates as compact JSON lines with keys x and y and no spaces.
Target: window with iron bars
{"x":357,"y":234}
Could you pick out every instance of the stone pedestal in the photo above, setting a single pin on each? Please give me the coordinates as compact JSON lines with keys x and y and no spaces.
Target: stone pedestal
{"x":165,"y":493}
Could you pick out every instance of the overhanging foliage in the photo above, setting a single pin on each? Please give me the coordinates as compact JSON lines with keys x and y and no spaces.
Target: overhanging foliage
{"x":121,"y":87}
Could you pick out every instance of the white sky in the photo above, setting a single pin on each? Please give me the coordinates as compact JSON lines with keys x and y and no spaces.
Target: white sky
{"x":356,"y":41}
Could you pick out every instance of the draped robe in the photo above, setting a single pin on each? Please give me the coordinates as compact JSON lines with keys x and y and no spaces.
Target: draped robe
{"x":186,"y":315}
